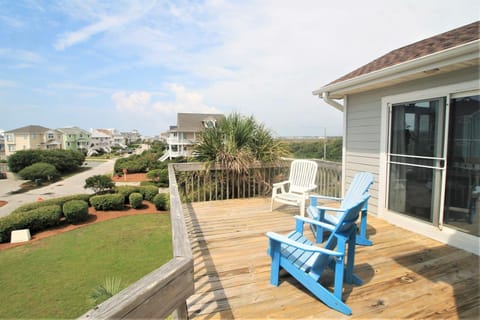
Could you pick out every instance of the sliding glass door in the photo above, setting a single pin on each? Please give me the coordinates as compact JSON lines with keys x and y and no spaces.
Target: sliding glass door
{"x":416,"y":158}
{"x":462,"y":192}
{"x":434,"y":161}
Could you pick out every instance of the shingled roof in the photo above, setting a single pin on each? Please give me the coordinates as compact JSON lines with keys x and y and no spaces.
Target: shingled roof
{"x":443,"y":41}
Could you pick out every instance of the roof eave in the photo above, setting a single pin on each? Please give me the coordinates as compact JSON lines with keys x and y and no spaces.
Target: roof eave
{"x":387,"y":76}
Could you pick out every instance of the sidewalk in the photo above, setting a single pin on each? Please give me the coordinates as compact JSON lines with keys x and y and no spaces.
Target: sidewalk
{"x":68,"y":186}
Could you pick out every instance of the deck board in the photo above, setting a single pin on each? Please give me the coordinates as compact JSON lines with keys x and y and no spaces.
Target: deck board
{"x":405,"y":274}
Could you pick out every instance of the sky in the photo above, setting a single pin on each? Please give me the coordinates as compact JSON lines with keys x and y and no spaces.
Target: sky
{"x":136,"y":64}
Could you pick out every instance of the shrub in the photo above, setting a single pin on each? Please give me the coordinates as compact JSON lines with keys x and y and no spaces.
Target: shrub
{"x":99,"y":183}
{"x":62,"y":160}
{"x":135,"y":200}
{"x":36,"y":220}
{"x":75,"y":211}
{"x":108,"y":202}
{"x":161,"y":201}
{"x":159,"y":176}
{"x":57,"y":201}
{"x":149,"y":192}
{"x":40,"y":170}
{"x":125,"y":191}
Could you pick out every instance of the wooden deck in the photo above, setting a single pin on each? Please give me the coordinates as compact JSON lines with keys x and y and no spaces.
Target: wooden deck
{"x":405,"y":275}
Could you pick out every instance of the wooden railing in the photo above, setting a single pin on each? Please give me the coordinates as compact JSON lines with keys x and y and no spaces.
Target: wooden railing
{"x":164,"y":291}
{"x":197,"y":183}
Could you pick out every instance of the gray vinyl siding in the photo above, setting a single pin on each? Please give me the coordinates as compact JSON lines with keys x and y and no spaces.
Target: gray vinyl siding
{"x":363,"y":123}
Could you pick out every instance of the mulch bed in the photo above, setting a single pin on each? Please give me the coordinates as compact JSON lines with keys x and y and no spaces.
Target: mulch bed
{"x":2,"y":203}
{"x":94,"y":217}
{"x":131,"y":177}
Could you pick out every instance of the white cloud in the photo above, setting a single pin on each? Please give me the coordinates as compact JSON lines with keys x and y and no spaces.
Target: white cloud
{"x":102,"y":17}
{"x":19,"y":58}
{"x":182,"y":100}
{"x":185,"y":101}
{"x":134,"y":102}
{"x":7,"y":84}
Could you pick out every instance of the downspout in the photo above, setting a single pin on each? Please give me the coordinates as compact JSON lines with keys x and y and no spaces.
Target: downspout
{"x":331,"y":102}
{"x":341,"y":108}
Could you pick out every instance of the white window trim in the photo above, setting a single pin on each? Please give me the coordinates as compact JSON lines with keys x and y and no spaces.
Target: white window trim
{"x":446,"y":235}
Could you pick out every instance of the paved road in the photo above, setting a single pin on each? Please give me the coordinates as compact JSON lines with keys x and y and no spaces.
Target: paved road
{"x":68,"y":186}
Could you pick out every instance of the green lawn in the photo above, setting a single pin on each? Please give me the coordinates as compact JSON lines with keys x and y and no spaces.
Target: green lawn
{"x":53,"y":277}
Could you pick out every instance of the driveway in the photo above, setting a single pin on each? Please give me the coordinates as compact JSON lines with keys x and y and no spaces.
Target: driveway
{"x":68,"y":186}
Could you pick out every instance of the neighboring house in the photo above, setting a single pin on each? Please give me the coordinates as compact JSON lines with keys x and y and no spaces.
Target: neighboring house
{"x":2,"y":145}
{"x":117,"y":139}
{"x":99,"y":142}
{"x":131,"y":137}
{"x":412,"y":118}
{"x":182,"y":137}
{"x":53,"y":139}
{"x":31,"y":137}
{"x":75,"y":138}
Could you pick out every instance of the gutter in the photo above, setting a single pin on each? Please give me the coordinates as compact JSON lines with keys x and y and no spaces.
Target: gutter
{"x":331,"y":102}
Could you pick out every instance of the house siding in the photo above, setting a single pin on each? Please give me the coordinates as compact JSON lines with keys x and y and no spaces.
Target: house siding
{"x":364,"y":120}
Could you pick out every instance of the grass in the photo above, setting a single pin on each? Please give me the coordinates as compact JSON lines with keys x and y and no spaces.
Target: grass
{"x":53,"y":277}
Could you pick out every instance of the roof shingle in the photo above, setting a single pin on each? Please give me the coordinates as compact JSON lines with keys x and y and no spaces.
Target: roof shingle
{"x":440,"y":42}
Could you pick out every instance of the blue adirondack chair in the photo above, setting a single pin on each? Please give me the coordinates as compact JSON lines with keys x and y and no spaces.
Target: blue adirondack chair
{"x":359,"y":186}
{"x":307,"y":262}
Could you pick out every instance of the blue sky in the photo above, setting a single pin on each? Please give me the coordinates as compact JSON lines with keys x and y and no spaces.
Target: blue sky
{"x":136,"y":64}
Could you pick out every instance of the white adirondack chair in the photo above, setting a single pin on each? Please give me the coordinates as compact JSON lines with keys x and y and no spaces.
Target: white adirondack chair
{"x":295,"y":190}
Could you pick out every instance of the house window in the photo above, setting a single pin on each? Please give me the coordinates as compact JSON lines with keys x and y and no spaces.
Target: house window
{"x":9,"y":137}
{"x":11,"y":148}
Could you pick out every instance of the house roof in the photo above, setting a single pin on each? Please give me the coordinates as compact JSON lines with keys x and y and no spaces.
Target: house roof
{"x":29,"y":129}
{"x":71,"y":130}
{"x":446,"y":40}
{"x":419,"y":54}
{"x":194,"y":122}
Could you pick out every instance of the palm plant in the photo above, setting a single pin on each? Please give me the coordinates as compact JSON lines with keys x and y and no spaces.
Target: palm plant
{"x":237,"y":143}
{"x":108,"y":289}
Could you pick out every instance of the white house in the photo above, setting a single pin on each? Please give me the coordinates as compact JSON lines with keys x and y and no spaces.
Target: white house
{"x":182,"y":137}
{"x":412,"y":118}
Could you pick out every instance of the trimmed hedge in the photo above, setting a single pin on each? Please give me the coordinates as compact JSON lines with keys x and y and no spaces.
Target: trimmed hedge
{"x":161,"y":201}
{"x":125,"y":191}
{"x":149,"y":192}
{"x":135,"y":200}
{"x":75,"y":211}
{"x":36,"y":220}
{"x":108,"y":202}
{"x":57,"y":201}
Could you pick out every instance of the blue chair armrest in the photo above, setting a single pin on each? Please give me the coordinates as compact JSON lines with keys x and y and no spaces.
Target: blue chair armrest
{"x":315,"y":222}
{"x":285,"y":240}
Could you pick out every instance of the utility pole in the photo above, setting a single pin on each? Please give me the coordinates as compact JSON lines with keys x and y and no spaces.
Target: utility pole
{"x":324,"y":143}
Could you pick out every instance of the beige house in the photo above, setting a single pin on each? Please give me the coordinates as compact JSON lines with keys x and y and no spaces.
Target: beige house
{"x":182,"y":137}
{"x":412,"y":118}
{"x":32,"y":137}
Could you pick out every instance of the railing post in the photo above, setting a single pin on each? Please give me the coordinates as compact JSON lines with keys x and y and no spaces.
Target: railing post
{"x":181,"y":312}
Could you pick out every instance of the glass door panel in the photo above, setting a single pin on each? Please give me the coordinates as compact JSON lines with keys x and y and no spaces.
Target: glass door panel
{"x":416,"y":158}
{"x":462,"y":190}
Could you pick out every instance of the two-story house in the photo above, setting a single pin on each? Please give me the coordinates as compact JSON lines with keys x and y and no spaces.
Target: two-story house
{"x":75,"y":138}
{"x":32,"y":137}
{"x":2,"y":145}
{"x":182,"y":137}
